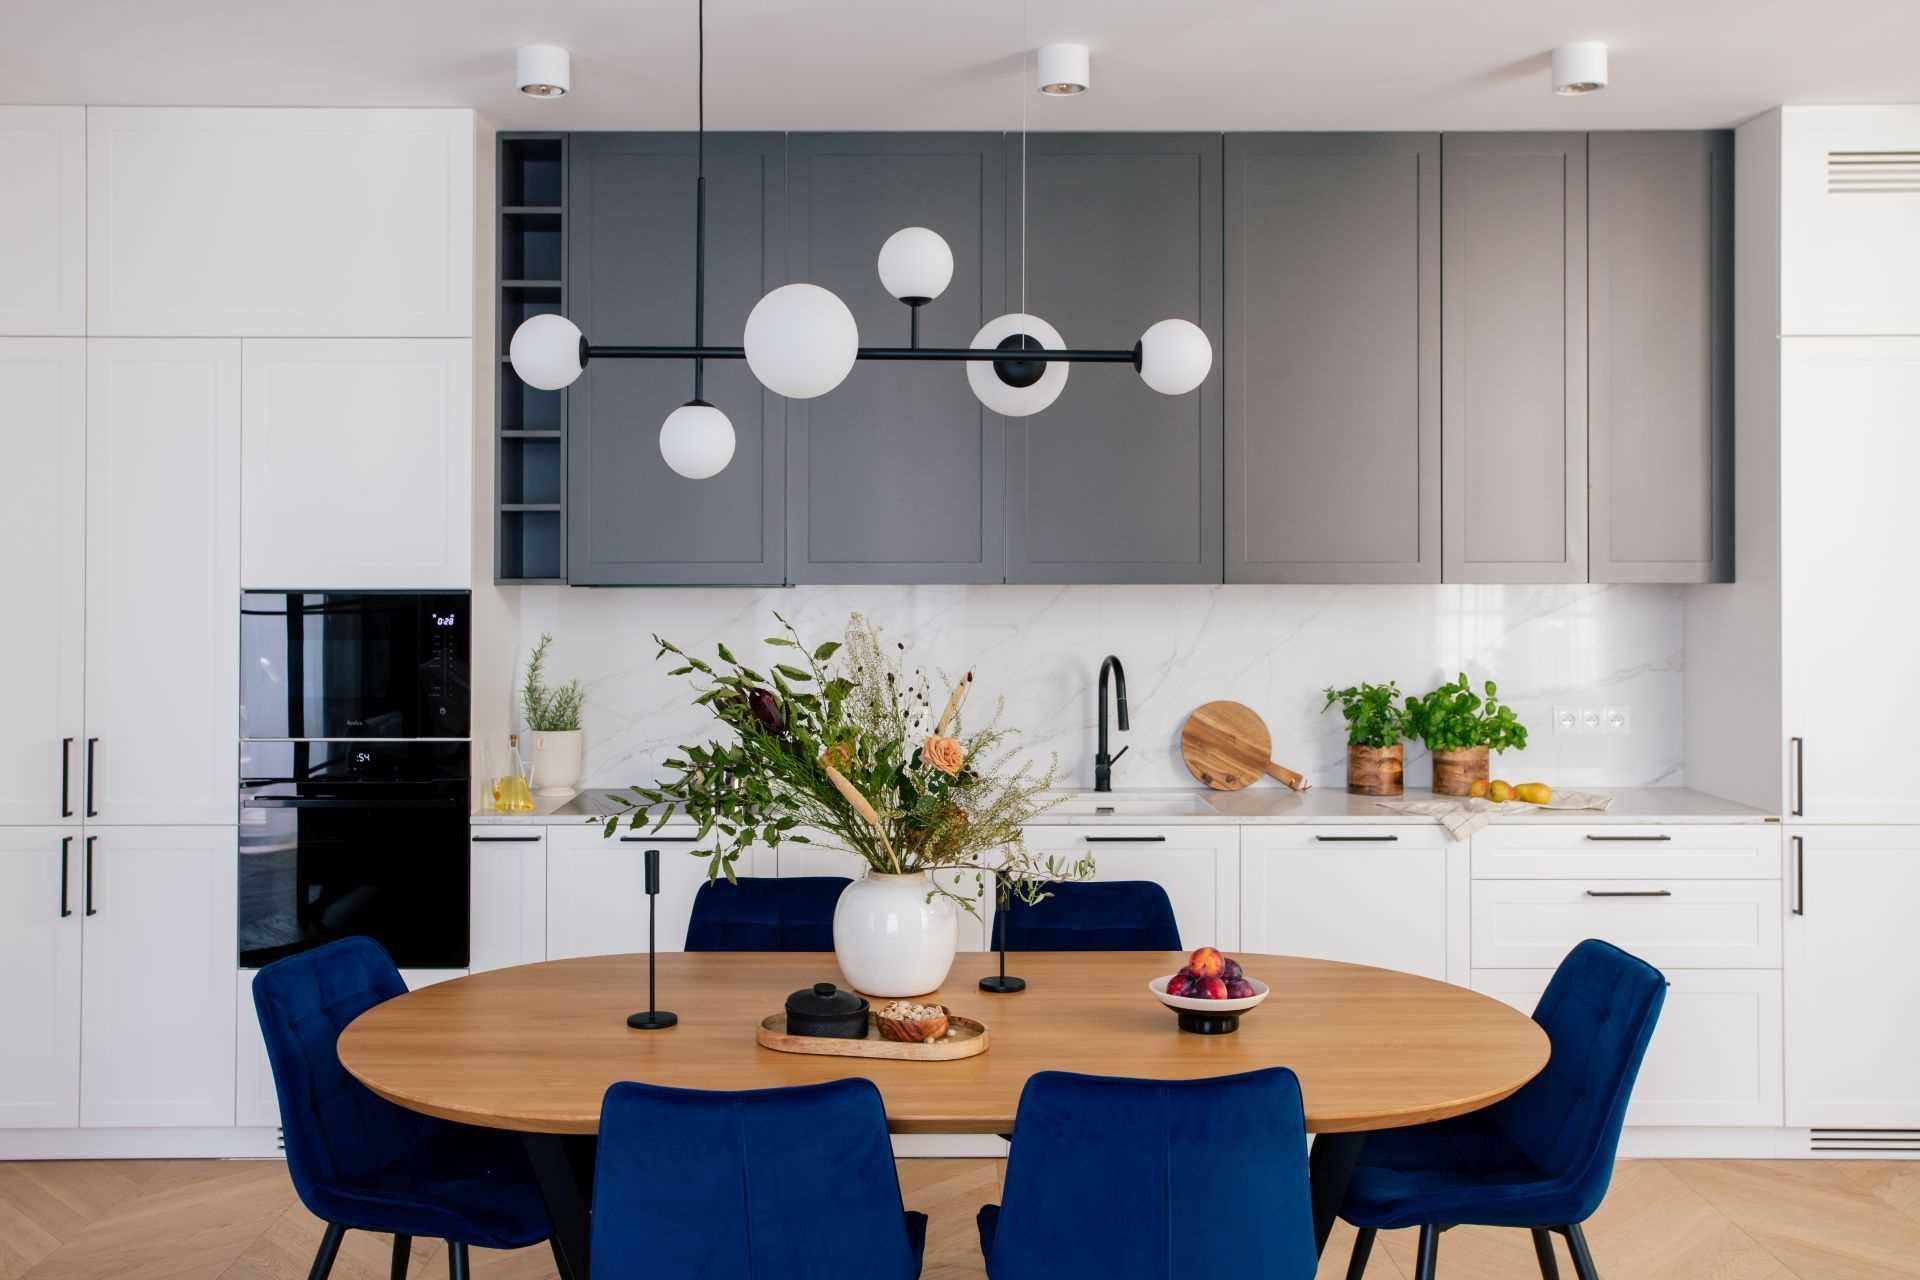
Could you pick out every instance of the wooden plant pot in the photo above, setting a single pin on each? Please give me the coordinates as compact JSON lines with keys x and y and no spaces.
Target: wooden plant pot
{"x":1376,"y":771}
{"x":1455,"y":772}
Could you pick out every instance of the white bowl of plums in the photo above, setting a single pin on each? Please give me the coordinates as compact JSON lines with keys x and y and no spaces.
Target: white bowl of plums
{"x":1209,"y":993}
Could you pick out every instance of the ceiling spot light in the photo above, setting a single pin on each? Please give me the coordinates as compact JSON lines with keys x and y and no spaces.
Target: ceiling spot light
{"x":1580,"y":67}
{"x":1064,"y":69}
{"x":543,"y":70}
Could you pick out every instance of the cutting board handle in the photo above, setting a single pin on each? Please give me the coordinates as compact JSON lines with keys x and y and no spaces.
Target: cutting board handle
{"x":1297,"y":781}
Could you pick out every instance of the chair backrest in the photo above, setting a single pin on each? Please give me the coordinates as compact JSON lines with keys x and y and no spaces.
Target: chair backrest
{"x":765,"y":913}
{"x":798,"y":1183}
{"x":336,"y":1129}
{"x":1599,"y":1012}
{"x":1098,"y":915}
{"x":1159,"y":1180}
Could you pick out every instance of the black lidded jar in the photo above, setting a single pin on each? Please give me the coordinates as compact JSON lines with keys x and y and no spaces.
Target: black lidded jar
{"x":825,"y":1010}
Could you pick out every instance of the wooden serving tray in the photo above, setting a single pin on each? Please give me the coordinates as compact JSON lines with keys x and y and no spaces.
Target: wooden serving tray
{"x":969,"y":1039}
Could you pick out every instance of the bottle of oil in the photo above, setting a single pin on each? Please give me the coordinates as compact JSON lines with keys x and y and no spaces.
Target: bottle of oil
{"x":515,"y":795}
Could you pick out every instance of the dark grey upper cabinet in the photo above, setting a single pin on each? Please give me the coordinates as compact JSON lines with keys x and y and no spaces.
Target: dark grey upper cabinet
{"x":1660,"y":430}
{"x":630,"y":520}
{"x":895,"y":475}
{"x":1514,"y":357}
{"x":1115,"y":482}
{"x":1333,"y":357}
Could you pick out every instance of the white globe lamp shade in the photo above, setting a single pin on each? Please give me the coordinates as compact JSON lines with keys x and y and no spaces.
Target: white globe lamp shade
{"x":993,"y":391}
{"x":697,"y":441}
{"x":801,"y":341}
{"x":546,"y":352}
{"x":1175,"y":357}
{"x":1580,"y":67}
{"x":916,"y":264}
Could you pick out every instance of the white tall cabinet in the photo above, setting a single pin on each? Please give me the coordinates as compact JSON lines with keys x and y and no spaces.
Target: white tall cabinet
{"x":43,"y":225}
{"x":40,"y":924}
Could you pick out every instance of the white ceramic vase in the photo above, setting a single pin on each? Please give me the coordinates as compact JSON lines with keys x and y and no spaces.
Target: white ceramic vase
{"x":890,"y":940}
{"x":556,"y":760}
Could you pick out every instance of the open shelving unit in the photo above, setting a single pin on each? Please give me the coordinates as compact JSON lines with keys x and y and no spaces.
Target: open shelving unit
{"x":530,"y":427}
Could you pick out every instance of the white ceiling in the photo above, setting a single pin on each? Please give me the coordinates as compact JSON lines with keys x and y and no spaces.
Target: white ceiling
{"x":954,"y":64}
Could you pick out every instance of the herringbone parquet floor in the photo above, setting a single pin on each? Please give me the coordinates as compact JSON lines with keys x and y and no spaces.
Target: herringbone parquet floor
{"x":1663,"y":1220}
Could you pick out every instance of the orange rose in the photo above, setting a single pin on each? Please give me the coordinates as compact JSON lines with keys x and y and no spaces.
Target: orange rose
{"x":838,"y":756}
{"x":943,"y":754}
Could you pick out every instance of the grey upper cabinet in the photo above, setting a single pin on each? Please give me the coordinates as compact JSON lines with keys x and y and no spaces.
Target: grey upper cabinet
{"x":1514,"y":357}
{"x":1660,"y":404}
{"x":1333,"y":357}
{"x":895,"y":475}
{"x":1115,"y":482}
{"x":630,"y":229}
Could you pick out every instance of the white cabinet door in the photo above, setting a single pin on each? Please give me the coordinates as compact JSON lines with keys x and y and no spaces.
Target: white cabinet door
{"x":1715,"y":1054}
{"x":1853,"y":978}
{"x":43,"y":436}
{"x":156,"y":1003}
{"x":1849,"y":452}
{"x":596,"y":892}
{"x":43,"y":222}
{"x":40,"y":977}
{"x":1849,"y":220}
{"x":280,"y":223}
{"x":163,"y":578}
{"x":357,"y":464}
{"x":1199,"y":867}
{"x":1364,"y":895}
{"x":508,"y":866}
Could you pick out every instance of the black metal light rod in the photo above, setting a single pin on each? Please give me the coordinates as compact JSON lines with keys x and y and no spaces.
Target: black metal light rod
{"x":1127,"y":356}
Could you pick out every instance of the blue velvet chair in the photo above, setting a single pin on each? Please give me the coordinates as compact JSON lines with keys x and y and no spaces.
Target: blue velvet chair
{"x":1096,"y":915}
{"x":765,"y":913}
{"x":1542,"y":1158}
{"x":1155,"y":1180}
{"x":357,"y":1160}
{"x":792,"y":1183}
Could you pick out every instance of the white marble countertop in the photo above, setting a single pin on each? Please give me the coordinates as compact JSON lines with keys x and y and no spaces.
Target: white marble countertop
{"x":1260,"y":805}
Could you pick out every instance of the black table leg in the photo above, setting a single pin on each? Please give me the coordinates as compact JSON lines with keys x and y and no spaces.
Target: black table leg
{"x":1330,"y":1166}
{"x":563,"y":1168}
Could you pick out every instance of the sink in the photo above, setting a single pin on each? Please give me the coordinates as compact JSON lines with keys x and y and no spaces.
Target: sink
{"x":1125,"y":806}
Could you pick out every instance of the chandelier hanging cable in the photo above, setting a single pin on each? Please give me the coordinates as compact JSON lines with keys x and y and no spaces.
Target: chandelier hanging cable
{"x":801,"y":341}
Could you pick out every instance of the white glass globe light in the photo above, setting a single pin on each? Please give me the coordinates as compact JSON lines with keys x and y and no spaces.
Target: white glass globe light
{"x":801,"y":341}
{"x":546,"y":352}
{"x":916,"y":263}
{"x":697,"y":440}
{"x":1017,"y":402}
{"x":1175,"y":357}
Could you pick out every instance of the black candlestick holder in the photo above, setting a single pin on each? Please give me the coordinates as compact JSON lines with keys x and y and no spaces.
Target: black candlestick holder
{"x":652,"y":1019}
{"x":1001,"y":984}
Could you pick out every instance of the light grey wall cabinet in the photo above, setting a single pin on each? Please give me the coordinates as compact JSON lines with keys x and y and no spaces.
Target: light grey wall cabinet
{"x":895,"y":475}
{"x":1514,"y":357}
{"x":630,"y":240}
{"x":1333,"y":357}
{"x":1660,"y":357}
{"x":1115,"y":482}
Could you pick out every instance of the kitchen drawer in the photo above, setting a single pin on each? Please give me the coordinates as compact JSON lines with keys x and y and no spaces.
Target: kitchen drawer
{"x":1359,"y":837}
{"x":1680,"y":924}
{"x":1198,"y":866}
{"x":1715,"y":1055}
{"x":1602,"y":851}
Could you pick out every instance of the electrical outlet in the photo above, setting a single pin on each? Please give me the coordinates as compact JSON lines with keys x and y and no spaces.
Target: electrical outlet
{"x":1616,"y":719}
{"x":1590,"y":721}
{"x":1566,"y":720}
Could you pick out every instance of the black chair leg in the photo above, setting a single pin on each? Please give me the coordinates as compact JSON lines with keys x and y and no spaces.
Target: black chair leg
{"x":1543,"y":1249}
{"x":1582,"y":1256}
{"x":1429,"y":1261}
{"x":1362,"y":1250}
{"x":329,"y":1249}
{"x":456,"y":1261}
{"x":402,"y":1250}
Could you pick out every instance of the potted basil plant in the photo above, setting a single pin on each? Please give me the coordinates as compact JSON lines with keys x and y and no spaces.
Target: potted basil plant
{"x":1376,"y":722}
{"x":1460,"y":727}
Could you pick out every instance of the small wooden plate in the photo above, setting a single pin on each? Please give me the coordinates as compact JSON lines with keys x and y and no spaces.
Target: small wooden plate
{"x":968,"y":1039}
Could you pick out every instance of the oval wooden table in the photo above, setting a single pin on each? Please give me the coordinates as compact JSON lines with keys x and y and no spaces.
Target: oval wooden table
{"x":533,"y":1049}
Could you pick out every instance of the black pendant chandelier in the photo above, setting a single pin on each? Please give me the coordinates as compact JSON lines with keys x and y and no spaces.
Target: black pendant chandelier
{"x":801,"y":341}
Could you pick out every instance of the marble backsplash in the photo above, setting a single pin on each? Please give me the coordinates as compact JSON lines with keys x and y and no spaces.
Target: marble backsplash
{"x":1273,"y":648}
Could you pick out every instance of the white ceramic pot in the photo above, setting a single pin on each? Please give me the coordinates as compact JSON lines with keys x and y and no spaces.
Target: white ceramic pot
{"x":555,"y":759}
{"x":890,"y":940}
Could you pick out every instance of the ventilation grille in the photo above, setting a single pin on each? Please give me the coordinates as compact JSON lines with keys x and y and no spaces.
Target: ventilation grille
{"x":1882,"y":1140}
{"x":1873,"y":173}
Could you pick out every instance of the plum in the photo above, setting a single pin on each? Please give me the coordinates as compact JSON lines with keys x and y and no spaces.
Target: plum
{"x":1230,"y":969}
{"x":1209,"y":988}
{"x":1239,"y":989}
{"x":1206,"y":963}
{"x":1180,"y":984}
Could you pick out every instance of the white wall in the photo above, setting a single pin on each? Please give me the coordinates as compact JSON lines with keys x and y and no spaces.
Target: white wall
{"x":1273,"y":648}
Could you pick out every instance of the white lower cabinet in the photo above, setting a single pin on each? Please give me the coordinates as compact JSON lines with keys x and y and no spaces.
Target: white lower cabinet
{"x":1198,"y":866}
{"x":596,"y":891}
{"x":1672,"y":924}
{"x":1715,"y":1054}
{"x":40,"y":929}
{"x":156,"y":1007}
{"x":508,"y":871}
{"x":1364,"y":895}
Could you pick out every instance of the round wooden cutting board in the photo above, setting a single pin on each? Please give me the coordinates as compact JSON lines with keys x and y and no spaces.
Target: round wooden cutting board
{"x":1226,"y":745}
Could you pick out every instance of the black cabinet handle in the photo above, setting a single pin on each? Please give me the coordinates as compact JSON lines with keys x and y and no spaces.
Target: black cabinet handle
{"x":659,"y":839}
{"x":1799,"y":875}
{"x":1629,"y":893}
{"x":66,"y":847}
{"x":66,"y":777}
{"x":87,"y":878}
{"x":1125,"y":839}
{"x":505,"y":839}
{"x":1799,"y":746}
{"x":1356,"y":839}
{"x":90,"y":812}
{"x":1629,"y":839}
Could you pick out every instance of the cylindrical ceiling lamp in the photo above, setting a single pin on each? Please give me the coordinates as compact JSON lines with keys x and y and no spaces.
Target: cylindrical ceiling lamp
{"x":543,"y":71}
{"x":1580,"y":67}
{"x":1064,"y":69}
